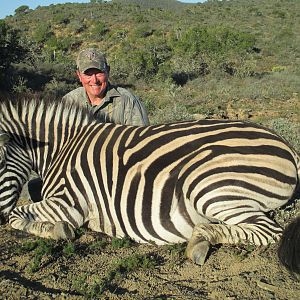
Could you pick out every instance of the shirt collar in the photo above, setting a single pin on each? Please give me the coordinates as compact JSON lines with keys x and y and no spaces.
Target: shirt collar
{"x":112,"y":92}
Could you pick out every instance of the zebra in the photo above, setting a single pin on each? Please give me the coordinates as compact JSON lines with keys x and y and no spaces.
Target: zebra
{"x":203,"y":182}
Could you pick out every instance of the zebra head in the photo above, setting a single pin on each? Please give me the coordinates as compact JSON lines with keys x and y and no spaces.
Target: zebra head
{"x":14,"y":170}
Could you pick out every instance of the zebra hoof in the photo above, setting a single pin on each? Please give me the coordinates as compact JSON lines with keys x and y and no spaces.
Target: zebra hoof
{"x":63,"y":231}
{"x":198,"y":252}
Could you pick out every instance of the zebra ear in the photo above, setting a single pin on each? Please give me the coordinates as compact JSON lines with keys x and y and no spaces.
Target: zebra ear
{"x":4,"y":138}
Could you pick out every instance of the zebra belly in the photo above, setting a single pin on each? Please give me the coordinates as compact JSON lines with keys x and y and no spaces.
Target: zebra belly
{"x":174,"y":229}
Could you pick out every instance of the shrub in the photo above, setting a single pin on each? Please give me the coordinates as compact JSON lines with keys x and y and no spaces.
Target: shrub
{"x":172,"y":112}
{"x":99,"y":30}
{"x":288,"y":130}
{"x":20,"y":86}
{"x":61,"y":18}
{"x":43,"y":33}
{"x":22,"y":9}
{"x":77,"y":26}
{"x":121,"y":243}
{"x":213,"y":40}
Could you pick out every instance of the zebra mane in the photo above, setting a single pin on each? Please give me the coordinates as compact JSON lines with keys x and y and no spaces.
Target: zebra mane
{"x":22,"y":111}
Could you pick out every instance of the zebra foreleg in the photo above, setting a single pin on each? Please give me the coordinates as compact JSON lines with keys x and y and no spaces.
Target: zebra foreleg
{"x":47,"y":219}
{"x":261,"y":231}
{"x":59,"y":230}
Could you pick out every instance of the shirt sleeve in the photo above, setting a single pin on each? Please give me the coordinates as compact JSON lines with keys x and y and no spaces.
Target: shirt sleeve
{"x":76,"y":96}
{"x":136,"y":113}
{"x":129,"y":109}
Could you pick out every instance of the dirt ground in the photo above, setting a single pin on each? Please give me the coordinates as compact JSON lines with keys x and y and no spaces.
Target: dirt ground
{"x":95,"y":267}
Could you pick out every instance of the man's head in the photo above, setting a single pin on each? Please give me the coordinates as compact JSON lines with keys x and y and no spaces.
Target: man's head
{"x":93,"y":72}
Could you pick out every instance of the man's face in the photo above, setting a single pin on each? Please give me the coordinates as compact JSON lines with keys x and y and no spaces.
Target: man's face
{"x":94,"y":82}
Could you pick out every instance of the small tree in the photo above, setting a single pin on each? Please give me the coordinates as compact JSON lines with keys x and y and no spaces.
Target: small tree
{"x":11,"y":50}
{"x":22,"y":9}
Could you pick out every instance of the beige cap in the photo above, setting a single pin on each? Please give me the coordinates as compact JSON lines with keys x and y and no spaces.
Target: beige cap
{"x":91,"y":58}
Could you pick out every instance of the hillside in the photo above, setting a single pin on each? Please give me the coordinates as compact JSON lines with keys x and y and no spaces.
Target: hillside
{"x":234,"y":58}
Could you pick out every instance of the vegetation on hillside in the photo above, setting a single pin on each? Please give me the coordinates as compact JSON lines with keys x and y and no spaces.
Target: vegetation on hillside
{"x":206,"y":59}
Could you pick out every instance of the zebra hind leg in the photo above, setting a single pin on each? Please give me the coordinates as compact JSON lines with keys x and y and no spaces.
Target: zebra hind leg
{"x":258,"y":230}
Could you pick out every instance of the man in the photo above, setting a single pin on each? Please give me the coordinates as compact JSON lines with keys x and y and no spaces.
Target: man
{"x":110,"y":104}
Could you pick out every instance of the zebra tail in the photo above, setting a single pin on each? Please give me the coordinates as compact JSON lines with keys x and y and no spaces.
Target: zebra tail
{"x":289,"y":244}
{"x":289,"y":247}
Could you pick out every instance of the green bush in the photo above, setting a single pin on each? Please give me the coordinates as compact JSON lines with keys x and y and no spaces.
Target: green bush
{"x":125,"y":242}
{"x":61,"y":18}
{"x":288,"y":130}
{"x":22,"y":9}
{"x":140,"y":59}
{"x":13,"y":49}
{"x":43,"y":33}
{"x":77,"y":26}
{"x":216,"y":40}
{"x":99,"y":30}
{"x":171,"y":112}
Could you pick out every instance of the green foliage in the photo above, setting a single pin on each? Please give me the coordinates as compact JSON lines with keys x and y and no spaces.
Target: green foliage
{"x":212,"y":40}
{"x":77,"y":26}
{"x":98,"y":245}
{"x":45,"y":249}
{"x":43,"y":33}
{"x":288,"y":130}
{"x":131,"y":263}
{"x":125,"y":242}
{"x":61,"y":18}
{"x":40,"y":248}
{"x":243,"y":252}
{"x":278,"y":68}
{"x":21,"y":86}
{"x":11,"y":46}
{"x":171,"y":112}
{"x":63,"y":44}
{"x":200,"y":55}
{"x":12,"y":51}
{"x":22,"y":9}
{"x":69,"y":249}
{"x":176,"y":249}
{"x":140,"y":60}
{"x":143,"y":31}
{"x":79,"y":232}
{"x":27,"y":246}
{"x":99,"y":30}
{"x":92,"y":287}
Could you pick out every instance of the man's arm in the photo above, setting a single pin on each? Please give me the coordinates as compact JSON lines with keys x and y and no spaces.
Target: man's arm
{"x":137,"y":114}
{"x":130,"y":110}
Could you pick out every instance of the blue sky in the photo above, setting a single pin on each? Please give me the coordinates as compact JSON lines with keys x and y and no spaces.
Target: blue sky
{"x":7,"y":7}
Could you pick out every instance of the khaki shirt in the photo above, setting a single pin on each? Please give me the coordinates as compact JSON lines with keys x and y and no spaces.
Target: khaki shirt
{"x":119,"y":106}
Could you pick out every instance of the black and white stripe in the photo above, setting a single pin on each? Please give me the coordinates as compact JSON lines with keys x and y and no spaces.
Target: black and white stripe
{"x":154,"y":183}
